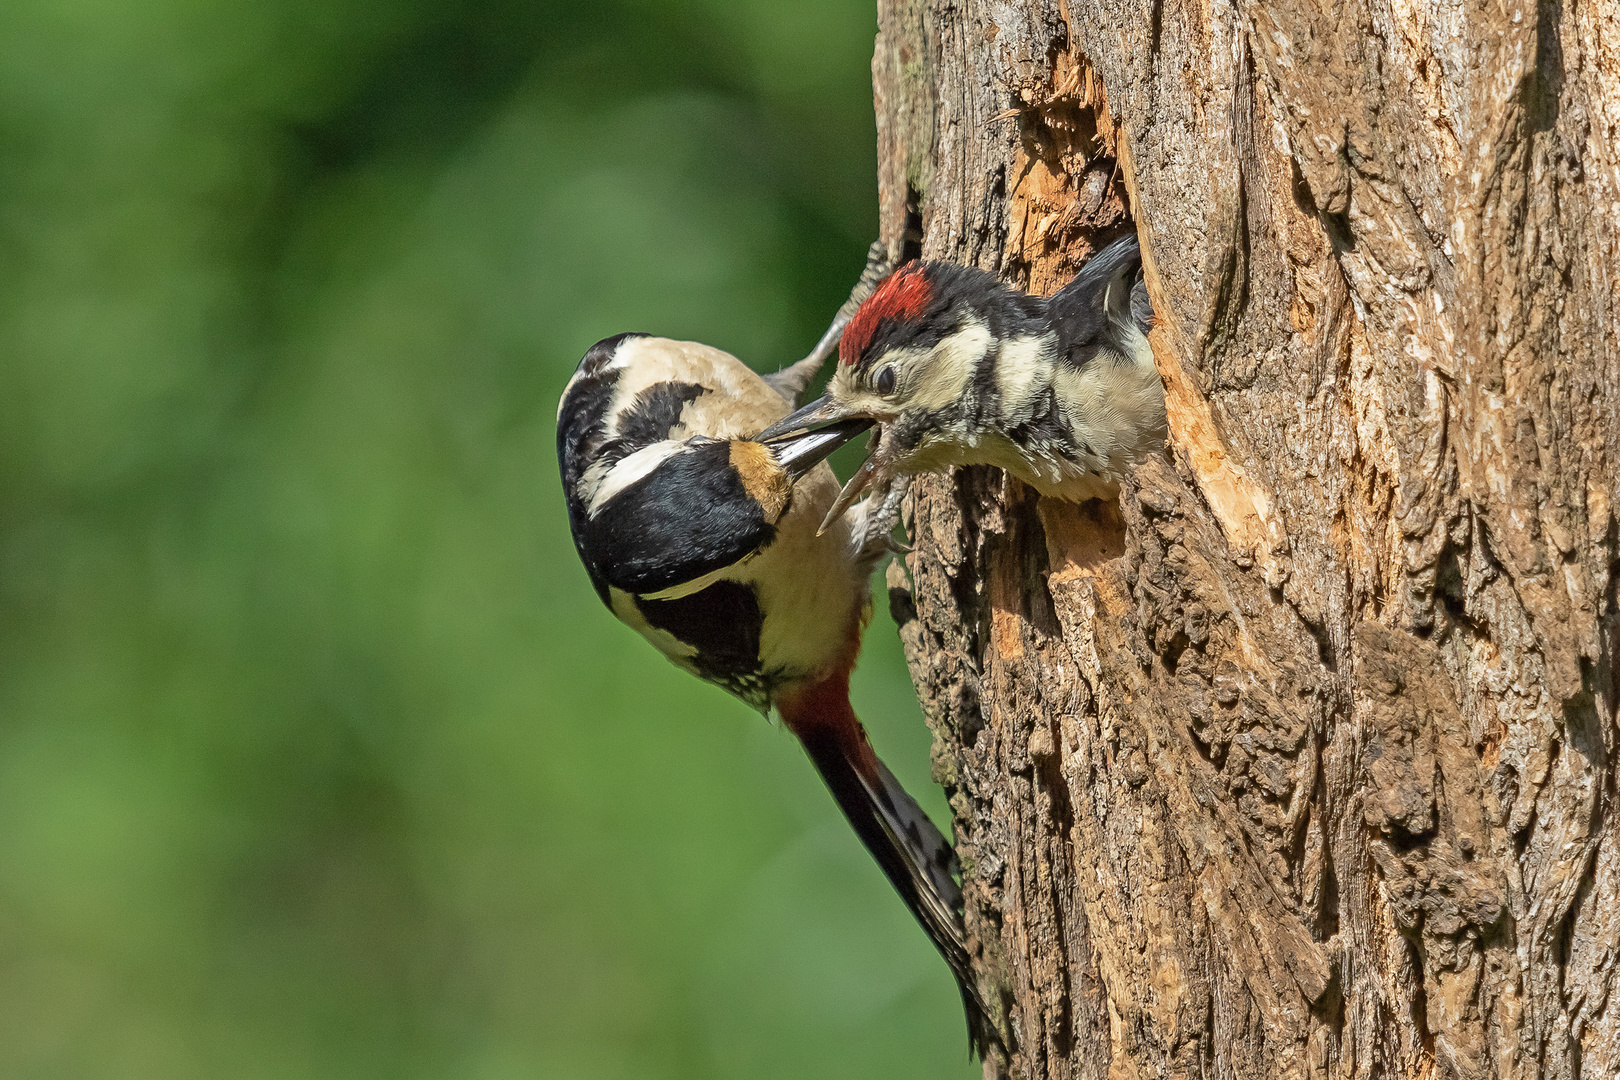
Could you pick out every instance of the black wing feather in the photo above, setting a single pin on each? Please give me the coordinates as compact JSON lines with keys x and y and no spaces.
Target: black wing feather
{"x":706,"y":521}
{"x":918,"y":861}
{"x":1080,"y":310}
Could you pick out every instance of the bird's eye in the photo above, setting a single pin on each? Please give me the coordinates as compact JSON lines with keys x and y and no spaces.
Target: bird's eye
{"x":884,"y":382}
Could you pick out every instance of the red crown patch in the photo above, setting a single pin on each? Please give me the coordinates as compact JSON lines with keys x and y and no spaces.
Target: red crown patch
{"x":903,"y":295}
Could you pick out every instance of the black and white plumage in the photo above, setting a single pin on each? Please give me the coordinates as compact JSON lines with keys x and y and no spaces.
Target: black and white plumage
{"x":961,"y":369}
{"x":706,"y":541}
{"x":695,"y":535}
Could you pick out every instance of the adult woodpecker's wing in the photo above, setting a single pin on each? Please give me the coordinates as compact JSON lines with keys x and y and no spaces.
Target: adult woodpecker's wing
{"x":706,"y":519}
{"x":673,"y":513}
{"x":1099,"y":294}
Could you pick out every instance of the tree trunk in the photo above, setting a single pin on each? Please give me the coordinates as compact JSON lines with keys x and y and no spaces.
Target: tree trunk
{"x":1299,"y":761}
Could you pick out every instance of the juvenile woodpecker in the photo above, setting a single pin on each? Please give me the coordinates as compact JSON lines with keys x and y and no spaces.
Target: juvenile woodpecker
{"x":706,"y":542}
{"x":961,"y":369}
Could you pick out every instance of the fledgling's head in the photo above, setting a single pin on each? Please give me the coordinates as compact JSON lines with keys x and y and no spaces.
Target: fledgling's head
{"x":915,"y":344}
{"x":910,"y":354}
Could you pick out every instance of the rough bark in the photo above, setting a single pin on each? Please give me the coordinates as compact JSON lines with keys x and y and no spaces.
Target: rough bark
{"x":1300,"y":760}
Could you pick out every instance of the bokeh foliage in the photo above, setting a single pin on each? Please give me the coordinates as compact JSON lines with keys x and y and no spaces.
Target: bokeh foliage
{"x":318,"y":757}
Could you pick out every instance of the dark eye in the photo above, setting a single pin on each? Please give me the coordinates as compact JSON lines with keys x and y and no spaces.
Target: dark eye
{"x":884,"y":382}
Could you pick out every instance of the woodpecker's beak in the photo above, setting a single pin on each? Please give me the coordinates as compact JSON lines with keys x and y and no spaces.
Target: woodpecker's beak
{"x":876,"y":469}
{"x":798,"y":450}
{"x":821,"y":417}
{"x":819,"y":414}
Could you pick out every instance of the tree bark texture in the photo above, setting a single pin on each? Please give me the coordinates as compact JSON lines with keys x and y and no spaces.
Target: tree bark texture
{"x":1299,"y":761}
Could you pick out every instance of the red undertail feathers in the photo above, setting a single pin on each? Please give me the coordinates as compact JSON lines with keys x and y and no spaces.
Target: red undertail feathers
{"x":916,"y":858}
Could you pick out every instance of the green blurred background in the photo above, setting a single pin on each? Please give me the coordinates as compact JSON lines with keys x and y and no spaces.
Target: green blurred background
{"x":318,"y":756}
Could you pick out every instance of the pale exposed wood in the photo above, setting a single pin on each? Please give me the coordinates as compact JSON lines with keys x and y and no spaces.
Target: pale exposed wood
{"x":1300,"y":762}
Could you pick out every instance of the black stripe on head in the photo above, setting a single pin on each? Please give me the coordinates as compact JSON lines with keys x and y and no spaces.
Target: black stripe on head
{"x":939,"y":318}
{"x":582,"y":416}
{"x":598,"y":355}
{"x":650,"y":418}
{"x":655,"y":413}
{"x":723,"y":623}
{"x":983,"y":397}
{"x":905,"y":434}
{"x":954,"y":290}
{"x":581,"y":421}
{"x":689,"y":517}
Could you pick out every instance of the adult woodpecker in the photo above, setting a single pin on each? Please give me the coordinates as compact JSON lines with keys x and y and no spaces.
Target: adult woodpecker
{"x":959,"y":368}
{"x":706,"y":542}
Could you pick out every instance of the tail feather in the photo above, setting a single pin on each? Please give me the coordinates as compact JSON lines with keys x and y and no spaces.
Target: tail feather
{"x":918,"y":861}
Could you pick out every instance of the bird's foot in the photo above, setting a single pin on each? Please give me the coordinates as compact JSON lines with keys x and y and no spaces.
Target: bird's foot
{"x":792,"y":380}
{"x":878,"y":514}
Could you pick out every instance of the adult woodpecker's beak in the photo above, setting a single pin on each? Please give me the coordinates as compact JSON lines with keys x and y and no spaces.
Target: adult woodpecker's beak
{"x":824,"y":416}
{"x":822,"y":413}
{"x":800,"y":449}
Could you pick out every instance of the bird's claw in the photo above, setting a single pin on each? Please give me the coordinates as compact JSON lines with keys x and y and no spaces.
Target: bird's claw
{"x":792,"y":380}
{"x":877,"y":516}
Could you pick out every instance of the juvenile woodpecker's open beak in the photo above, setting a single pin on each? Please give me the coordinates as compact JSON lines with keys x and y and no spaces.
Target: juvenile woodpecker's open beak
{"x":852,"y":491}
{"x":798,"y":451}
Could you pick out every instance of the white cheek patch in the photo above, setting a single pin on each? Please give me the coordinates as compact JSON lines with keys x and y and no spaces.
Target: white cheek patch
{"x":1023,"y":371}
{"x":864,"y":403}
{"x":929,"y":380}
{"x":948,"y":368}
{"x":563,"y":400}
{"x":604,"y":482}
{"x":857,"y":396}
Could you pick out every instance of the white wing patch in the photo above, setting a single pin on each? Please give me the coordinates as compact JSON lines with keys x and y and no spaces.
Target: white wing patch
{"x":687,"y":588}
{"x":1023,"y":368}
{"x":624,"y":606}
{"x":605,"y":482}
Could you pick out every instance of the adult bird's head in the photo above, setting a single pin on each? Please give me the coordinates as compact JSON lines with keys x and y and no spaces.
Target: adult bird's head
{"x":665,"y":481}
